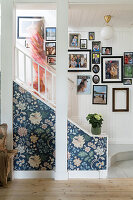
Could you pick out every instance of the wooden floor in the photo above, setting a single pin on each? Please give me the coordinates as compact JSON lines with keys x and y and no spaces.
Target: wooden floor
{"x":93,"y":189}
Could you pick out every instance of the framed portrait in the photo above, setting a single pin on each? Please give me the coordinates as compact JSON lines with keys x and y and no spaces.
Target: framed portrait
{"x":95,"y":58}
{"x":51,"y":60}
{"x":74,"y":40}
{"x":96,"y":79}
{"x":50,"y":33}
{"x":99,"y":94}
{"x":120,"y":99}
{"x":50,"y":48}
{"x":106,"y":50}
{"x":83,"y":43}
{"x":79,"y":60}
{"x":83,"y":84}
{"x":112,"y":69}
{"x":96,"y":46}
{"x":24,"y":24}
{"x":128,"y":71}
{"x":91,"y":35}
{"x":127,"y":81}
{"x":95,"y":69}
{"x":128,"y":57}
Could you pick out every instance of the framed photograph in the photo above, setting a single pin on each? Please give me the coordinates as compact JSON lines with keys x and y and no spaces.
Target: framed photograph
{"x":74,"y":40}
{"x":128,"y":57}
{"x":95,"y":58}
{"x":27,"y":44}
{"x":79,"y":60}
{"x":112,"y":69}
{"x":83,"y":84}
{"x":120,"y":99}
{"x":91,"y":35}
{"x":24,"y":24}
{"x":50,"y":33}
{"x":51,"y":60}
{"x":96,"y":46}
{"x":83,"y":43}
{"x":100,"y":94}
{"x":95,"y":69}
{"x":128,"y":71}
{"x":50,"y":48}
{"x":127,"y":81}
{"x":106,"y":50}
{"x":96,"y":79}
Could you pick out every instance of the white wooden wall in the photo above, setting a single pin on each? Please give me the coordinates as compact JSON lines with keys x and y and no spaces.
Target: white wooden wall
{"x":117,"y":125}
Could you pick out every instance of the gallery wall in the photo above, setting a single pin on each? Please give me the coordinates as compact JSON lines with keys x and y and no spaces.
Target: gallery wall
{"x":117,"y":125}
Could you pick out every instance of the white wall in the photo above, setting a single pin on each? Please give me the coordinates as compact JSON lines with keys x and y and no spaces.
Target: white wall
{"x":118,"y":126}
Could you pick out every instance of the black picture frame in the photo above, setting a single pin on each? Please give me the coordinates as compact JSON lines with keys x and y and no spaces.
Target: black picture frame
{"x":52,"y":28}
{"x":95,"y":68}
{"x":47,"y":47}
{"x":20,"y":20}
{"x":81,"y":43}
{"x":50,"y":57}
{"x":127,"y":81}
{"x":99,"y":95}
{"x":110,"y":60}
{"x":78,"y":52}
{"x":110,"y":49}
{"x":126,"y":60}
{"x":94,"y":48}
{"x":93,"y":59}
{"x":98,"y":79}
{"x":90,"y":35}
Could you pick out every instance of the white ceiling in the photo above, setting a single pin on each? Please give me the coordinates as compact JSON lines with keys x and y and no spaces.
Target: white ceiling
{"x":86,"y":15}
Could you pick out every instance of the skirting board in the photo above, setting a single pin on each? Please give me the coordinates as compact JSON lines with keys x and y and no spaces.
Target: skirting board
{"x":51,"y":174}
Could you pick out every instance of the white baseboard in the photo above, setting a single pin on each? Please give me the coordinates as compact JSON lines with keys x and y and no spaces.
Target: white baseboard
{"x":33,"y":174}
{"x":87,"y":174}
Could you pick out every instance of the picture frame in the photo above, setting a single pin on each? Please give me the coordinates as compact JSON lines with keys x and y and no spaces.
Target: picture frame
{"x":23,"y":25}
{"x":100,"y":94}
{"x":112,"y":69}
{"x":51,"y":60}
{"x":83,"y":84}
{"x":106,"y":50}
{"x":83,"y":43}
{"x":128,"y":57}
{"x":95,"y":69}
{"x":95,"y":58}
{"x":74,"y":40}
{"x":50,"y":48}
{"x":96,"y":46}
{"x":50,"y":33}
{"x":128,"y":71}
{"x":79,"y":61}
{"x":127,"y":81}
{"x":91,"y":35}
{"x":96,"y":79}
{"x":120,"y":99}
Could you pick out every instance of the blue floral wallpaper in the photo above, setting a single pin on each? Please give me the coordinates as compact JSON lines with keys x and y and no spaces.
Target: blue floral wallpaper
{"x":34,"y":137}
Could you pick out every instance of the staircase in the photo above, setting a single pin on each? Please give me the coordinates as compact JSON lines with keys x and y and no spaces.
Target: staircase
{"x":34,"y":126}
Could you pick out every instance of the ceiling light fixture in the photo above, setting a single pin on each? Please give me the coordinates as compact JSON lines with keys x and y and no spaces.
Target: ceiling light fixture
{"x":107,"y":30}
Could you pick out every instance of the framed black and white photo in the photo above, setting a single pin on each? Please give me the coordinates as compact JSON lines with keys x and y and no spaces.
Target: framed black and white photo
{"x":83,"y":43}
{"x":99,"y":94}
{"x":24,"y":25}
{"x":50,"y":33}
{"x":79,"y":60}
{"x":95,"y":69}
{"x":96,"y":79}
{"x":112,"y":69}
{"x":106,"y":50}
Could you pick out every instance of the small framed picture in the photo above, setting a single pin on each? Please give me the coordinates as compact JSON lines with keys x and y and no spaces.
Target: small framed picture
{"x":106,"y":50}
{"x":79,"y":60}
{"x":128,"y":57}
{"x":83,"y":43}
{"x":74,"y":40}
{"x":95,"y":58}
{"x":83,"y":84}
{"x":127,"y":81}
{"x":95,"y":69}
{"x":112,"y":69}
{"x":128,"y":71}
{"x":96,"y":46}
{"x":51,"y":60}
{"x":120,"y":100}
{"x":50,"y":48}
{"x":50,"y":33}
{"x":96,"y":79}
{"x":91,"y":35}
{"x":100,"y":94}
{"x":27,"y":44}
